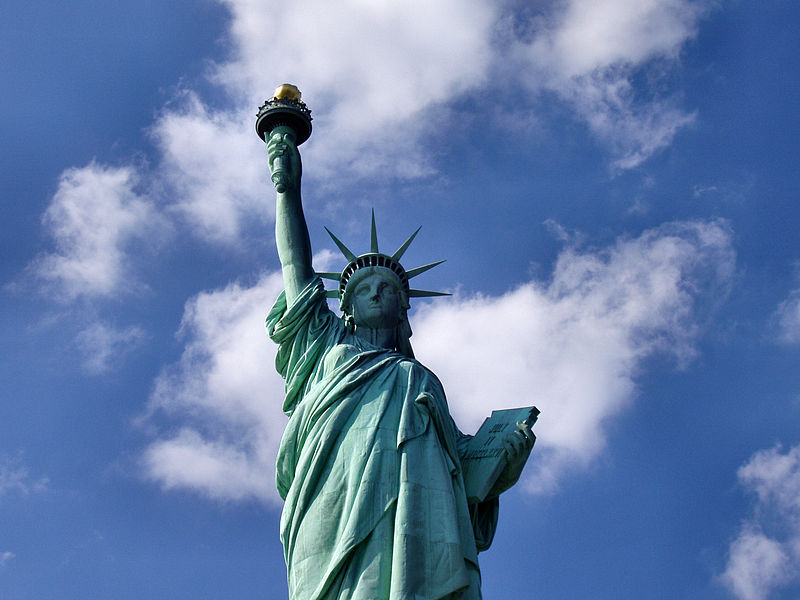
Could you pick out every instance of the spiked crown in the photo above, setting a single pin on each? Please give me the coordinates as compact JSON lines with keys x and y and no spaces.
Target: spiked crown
{"x":375,"y":258}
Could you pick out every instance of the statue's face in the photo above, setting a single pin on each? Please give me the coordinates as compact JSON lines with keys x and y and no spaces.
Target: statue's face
{"x":376,"y":302}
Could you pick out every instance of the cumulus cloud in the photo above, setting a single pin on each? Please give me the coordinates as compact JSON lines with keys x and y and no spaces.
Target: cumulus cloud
{"x":93,"y":217}
{"x":765,"y":555}
{"x":103,"y":345}
{"x":574,"y":345}
{"x":212,"y":167}
{"x":374,"y":97}
{"x":5,"y":557}
{"x":377,"y":76}
{"x":372,"y":70}
{"x":217,"y":412}
{"x":225,"y":396}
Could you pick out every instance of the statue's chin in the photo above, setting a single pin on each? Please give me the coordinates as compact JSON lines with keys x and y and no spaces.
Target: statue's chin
{"x":375,"y":318}
{"x":378,"y":321}
{"x":377,"y":324}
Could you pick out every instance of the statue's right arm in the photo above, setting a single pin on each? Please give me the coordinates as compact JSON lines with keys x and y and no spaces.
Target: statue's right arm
{"x":291,"y":232}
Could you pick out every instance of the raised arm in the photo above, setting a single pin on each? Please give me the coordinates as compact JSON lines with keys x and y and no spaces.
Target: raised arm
{"x":291,"y":232}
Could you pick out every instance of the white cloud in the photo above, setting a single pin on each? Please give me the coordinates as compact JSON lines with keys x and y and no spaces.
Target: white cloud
{"x":589,"y":54}
{"x":765,"y":555}
{"x":586,"y":36}
{"x":371,"y":70}
{"x":574,"y":345}
{"x":93,"y":217}
{"x":382,"y":79}
{"x":788,"y":319}
{"x":757,"y":564}
{"x":375,"y":71}
{"x":102,"y":345}
{"x":226,"y":395}
{"x":219,"y":469}
{"x":634,"y":131}
{"x":377,"y":75}
{"x":5,"y":557}
{"x":99,"y":221}
{"x":213,"y":168}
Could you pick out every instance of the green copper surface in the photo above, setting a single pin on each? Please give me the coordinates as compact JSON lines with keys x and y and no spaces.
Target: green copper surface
{"x":370,"y":464}
{"x":373,"y":241}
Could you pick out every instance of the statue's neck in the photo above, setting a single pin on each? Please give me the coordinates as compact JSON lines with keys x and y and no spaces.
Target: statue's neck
{"x":383,"y":338}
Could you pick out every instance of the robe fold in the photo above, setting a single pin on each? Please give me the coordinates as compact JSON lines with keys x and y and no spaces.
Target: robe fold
{"x":369,"y":468}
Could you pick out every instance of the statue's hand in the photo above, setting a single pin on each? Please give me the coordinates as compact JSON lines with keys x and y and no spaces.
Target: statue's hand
{"x":518,"y":445}
{"x":285,"y":166}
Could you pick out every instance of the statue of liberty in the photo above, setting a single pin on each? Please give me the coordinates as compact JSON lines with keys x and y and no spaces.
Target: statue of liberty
{"x":370,"y":464}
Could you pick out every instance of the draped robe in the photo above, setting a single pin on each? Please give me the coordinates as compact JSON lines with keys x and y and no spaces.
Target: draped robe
{"x":369,"y":468}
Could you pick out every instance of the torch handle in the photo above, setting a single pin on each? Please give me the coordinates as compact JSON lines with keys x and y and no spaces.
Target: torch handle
{"x":280,"y":156}
{"x":280,"y":175}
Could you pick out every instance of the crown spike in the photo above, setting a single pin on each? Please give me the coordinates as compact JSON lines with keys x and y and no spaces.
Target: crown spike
{"x":375,"y":259}
{"x":402,"y":249}
{"x":414,"y":272}
{"x":373,"y":242}
{"x":344,"y":250}
{"x":425,"y":294}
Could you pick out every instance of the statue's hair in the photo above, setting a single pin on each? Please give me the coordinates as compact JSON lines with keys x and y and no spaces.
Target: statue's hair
{"x":403,"y":337}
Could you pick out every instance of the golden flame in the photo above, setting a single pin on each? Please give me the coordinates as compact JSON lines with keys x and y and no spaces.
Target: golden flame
{"x":287,"y":91}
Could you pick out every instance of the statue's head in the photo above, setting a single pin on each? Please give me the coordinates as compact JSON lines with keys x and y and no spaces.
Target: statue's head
{"x":373,"y":289}
{"x":374,"y":297}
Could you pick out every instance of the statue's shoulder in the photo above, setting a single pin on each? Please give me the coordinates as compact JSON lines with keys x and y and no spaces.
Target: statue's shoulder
{"x":339,"y":354}
{"x":421,"y":373}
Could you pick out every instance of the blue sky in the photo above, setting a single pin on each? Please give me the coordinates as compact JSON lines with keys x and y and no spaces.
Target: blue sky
{"x":614,"y":187}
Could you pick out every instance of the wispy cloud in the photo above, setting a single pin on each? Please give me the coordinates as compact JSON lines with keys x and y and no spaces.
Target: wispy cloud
{"x":104,"y":345}
{"x":103,"y":222}
{"x":589,"y":54}
{"x":15,"y":478}
{"x":787,"y":318}
{"x":573,"y":346}
{"x":765,"y":555}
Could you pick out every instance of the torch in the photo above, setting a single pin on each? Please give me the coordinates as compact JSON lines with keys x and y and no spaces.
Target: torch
{"x":287,"y":111}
